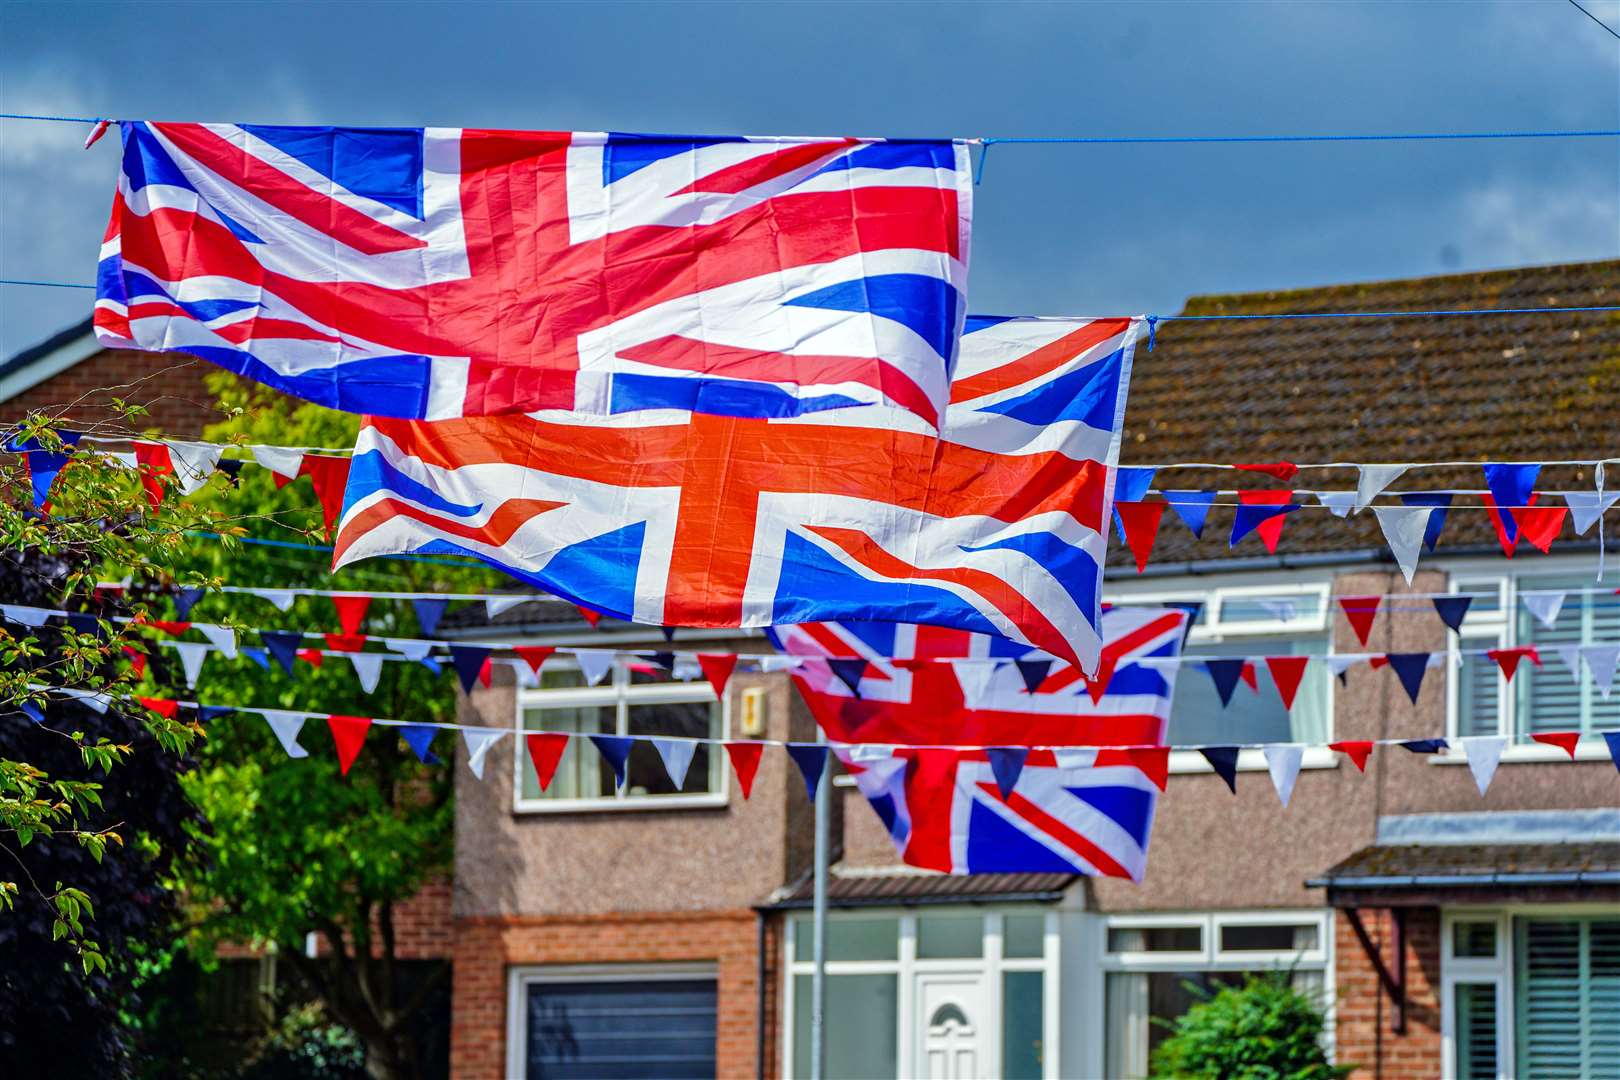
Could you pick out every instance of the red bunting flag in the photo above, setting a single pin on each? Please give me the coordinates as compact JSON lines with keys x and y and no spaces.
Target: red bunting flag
{"x":1508,"y":659}
{"x":345,"y":642}
{"x":1286,"y":672}
{"x":1153,"y":761}
{"x":312,"y":657}
{"x":1269,"y":530}
{"x":592,"y":617}
{"x":351,"y":610}
{"x":1357,"y":751}
{"x":1541,"y":524}
{"x":1249,"y":676}
{"x":1564,"y":740}
{"x":486,"y":673}
{"x":166,"y":626}
{"x":162,"y":706}
{"x":153,"y":459}
{"x":1508,"y":545}
{"x":1140,"y":520}
{"x":348,"y":735}
{"x":137,"y":661}
{"x":1360,"y":611}
{"x":545,"y":750}
{"x":745,"y":762}
{"x":1282,"y":470}
{"x":534,"y":655}
{"x":717,"y":668}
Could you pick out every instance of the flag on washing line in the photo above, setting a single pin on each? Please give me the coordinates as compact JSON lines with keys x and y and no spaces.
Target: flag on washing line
{"x":1087,"y":810}
{"x":998,"y":525}
{"x":441,"y":272}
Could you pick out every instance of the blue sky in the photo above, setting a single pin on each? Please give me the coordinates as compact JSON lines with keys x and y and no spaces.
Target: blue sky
{"x":1059,"y":230}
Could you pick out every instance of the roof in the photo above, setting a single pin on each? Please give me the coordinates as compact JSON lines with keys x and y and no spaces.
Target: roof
{"x":1424,"y":388}
{"x":1427,"y":868}
{"x":912,"y":887}
{"x":56,"y":353}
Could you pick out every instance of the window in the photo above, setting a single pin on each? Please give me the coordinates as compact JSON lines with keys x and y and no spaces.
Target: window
{"x":620,"y":705}
{"x":1156,"y":968}
{"x":918,"y":994}
{"x":1550,"y":697}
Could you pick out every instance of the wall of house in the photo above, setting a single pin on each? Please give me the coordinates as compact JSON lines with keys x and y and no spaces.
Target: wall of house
{"x":170,"y":386}
{"x":1362,"y":1035}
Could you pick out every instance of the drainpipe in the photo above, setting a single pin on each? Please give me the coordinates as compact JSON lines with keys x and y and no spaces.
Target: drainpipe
{"x":759,"y":981}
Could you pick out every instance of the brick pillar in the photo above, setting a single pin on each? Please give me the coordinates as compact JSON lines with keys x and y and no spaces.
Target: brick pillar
{"x":1363,"y":1035}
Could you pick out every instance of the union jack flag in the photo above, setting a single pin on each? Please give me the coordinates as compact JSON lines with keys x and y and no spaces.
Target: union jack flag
{"x":995,"y":524}
{"x":1085,"y":808}
{"x":442,"y":272}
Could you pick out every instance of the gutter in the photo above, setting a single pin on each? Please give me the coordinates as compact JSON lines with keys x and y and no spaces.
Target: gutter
{"x":1047,"y":896}
{"x":1432,"y":881}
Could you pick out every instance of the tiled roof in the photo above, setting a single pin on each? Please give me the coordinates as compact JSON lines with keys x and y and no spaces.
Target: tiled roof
{"x":20,"y":360}
{"x":1475,"y":388}
{"x":1422,"y":866}
{"x":916,"y":887}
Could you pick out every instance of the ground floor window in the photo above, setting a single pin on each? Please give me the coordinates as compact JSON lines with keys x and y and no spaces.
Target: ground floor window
{"x":622,"y":1022}
{"x":1157,"y":967}
{"x":1532,"y":993}
{"x":937,"y":993}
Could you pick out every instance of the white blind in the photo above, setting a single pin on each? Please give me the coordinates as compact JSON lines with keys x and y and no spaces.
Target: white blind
{"x":1552,"y":697}
{"x":1476,"y":1031}
{"x":1568,"y":989}
{"x":1479,"y":679}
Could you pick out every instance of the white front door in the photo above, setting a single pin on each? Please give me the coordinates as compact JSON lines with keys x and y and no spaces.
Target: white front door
{"x":950,"y":1026}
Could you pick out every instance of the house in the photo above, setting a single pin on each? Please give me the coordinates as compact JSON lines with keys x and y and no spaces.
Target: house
{"x":654,"y":931}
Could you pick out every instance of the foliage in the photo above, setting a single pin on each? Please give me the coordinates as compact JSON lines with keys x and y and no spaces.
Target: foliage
{"x":306,"y":1045}
{"x":1263,"y":1029}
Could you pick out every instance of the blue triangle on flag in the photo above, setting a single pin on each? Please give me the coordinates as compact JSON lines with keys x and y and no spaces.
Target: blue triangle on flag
{"x":283,"y":645}
{"x":668,"y":632}
{"x":1511,"y":486}
{"x":1250,"y":516}
{"x":431,"y":664}
{"x":615,"y":750}
{"x":811,"y":758}
{"x":1223,"y":759}
{"x":232,"y":468}
{"x":1007,"y":762}
{"x":1192,"y":507}
{"x":43,"y":465}
{"x":258,"y":656}
{"x":1131,"y":484}
{"x":665,"y":660}
{"x":1033,"y":672}
{"x":185,"y":600}
{"x":1452,"y":610}
{"x":429,"y":611}
{"x":1441,"y":501}
{"x":206,"y":713}
{"x":469,"y":661}
{"x":1409,"y":667}
{"x":1613,"y":739}
{"x":419,"y":737}
{"x":1424,"y":746}
{"x":1226,"y":674}
{"x":33,"y":712}
{"x":850,"y":671}
{"x":82,"y":622}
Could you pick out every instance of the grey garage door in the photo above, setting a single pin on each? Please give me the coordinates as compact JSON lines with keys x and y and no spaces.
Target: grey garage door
{"x":659,"y":1029}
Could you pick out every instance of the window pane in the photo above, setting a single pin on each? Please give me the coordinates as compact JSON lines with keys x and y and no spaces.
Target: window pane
{"x":862,"y":1026}
{"x":581,"y":773}
{"x":1281,"y":608}
{"x":560,"y":674}
{"x":1567,"y":984}
{"x":1022,"y":1012}
{"x":1156,"y":939}
{"x":1486,"y":593}
{"x":1479,"y":681}
{"x":848,"y":939}
{"x":1197,"y":716}
{"x":1268,"y":938}
{"x":1552,"y":697}
{"x":949,"y":936}
{"x":1136,"y":1001}
{"x":1474,"y":940}
{"x":686,"y":719}
{"x":1023,"y":937}
{"x":1476,"y":1030}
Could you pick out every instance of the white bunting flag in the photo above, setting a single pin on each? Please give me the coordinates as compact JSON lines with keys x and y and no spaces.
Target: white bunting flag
{"x":1339,"y":663}
{"x":286,"y":725}
{"x":280,"y":460}
{"x":1373,"y":480}
{"x":1283,"y":759}
{"x":494,"y":605}
{"x":281,"y":598}
{"x":1403,"y":531}
{"x":409,"y":648}
{"x":1586,"y":507}
{"x":975,"y":677}
{"x":677,"y":755}
{"x":192,"y":655}
{"x":91,"y":698}
{"x":193,"y":463}
{"x":367,"y":668}
{"x":32,"y":617}
{"x":522,"y":673}
{"x":769,"y":664}
{"x":1075,"y":757}
{"x":1544,"y":605}
{"x":478,"y":743}
{"x":1601,"y":661}
{"x":1338,"y":502}
{"x":595,"y":663}
{"x":686,"y":669}
{"x":1484,"y":752}
{"x":223,"y":638}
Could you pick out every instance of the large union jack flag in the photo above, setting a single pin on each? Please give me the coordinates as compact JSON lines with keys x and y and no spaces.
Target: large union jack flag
{"x":995,"y":524}
{"x":441,"y":272}
{"x":1084,"y":808}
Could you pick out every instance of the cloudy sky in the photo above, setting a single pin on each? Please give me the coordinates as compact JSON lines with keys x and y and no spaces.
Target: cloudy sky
{"x":1070,"y":230}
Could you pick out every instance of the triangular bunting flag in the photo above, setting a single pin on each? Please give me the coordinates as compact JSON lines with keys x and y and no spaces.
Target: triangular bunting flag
{"x":93,"y":699}
{"x":286,"y":726}
{"x":717,"y":668}
{"x":1507,"y":530}
{"x":351,"y":611}
{"x":1510,"y":486}
{"x":429,"y":610}
{"x":409,"y":648}
{"x":745,"y":763}
{"x":1263,"y":513}
{"x":1360,"y":611}
{"x":592,"y":617}
{"x":1484,"y":752}
{"x":975,"y":677}
{"x":1339,"y":503}
{"x":32,"y":711}
{"x":478,"y":744}
{"x":1409,"y":668}
{"x":1357,"y":750}
{"x":469,"y":664}
{"x":849,"y":671}
{"x":185,"y":599}
{"x":545,"y":750}
{"x":193,"y":463}
{"x":367,"y":668}
{"x":1152,"y":761}
{"x":1540,"y":524}
{"x":137,"y":661}
{"x":1282,"y":470}
{"x":1544,"y":605}
{"x":82,"y":622}
{"x":232,"y":468}
{"x":1373,"y":480}
{"x":1564,"y":740}
{"x":348,"y":735}
{"x":281,"y":460}
{"x":1452,"y":610}
{"x":312,"y":657}
{"x":419,"y":737}
{"x":281,"y":598}
{"x":1249,"y":676}
{"x":594,"y":663}
{"x":330,"y":475}
{"x":1225,"y":674}
{"x":192,"y":655}
{"x":153,"y":461}
{"x":615,"y":750}
{"x":495,"y":605}
{"x":345,"y":642}
{"x":206,"y":713}
{"x":1131,"y":484}
{"x":1438,"y":503}
{"x":1224,"y":760}
{"x":677,"y":755}
{"x":1286,"y":672}
{"x":1006,"y":763}
{"x":283,"y":645}
{"x":1586,"y":507}
{"x":1424,"y":746}
{"x":668,"y":632}
{"x":1508,"y":659}
{"x":1192,"y":507}
{"x":1033,"y":672}
{"x":222,"y":638}
{"x":1403,"y":528}
{"x":811,"y":758}
{"x":1601,"y":661}
{"x":534,"y":655}
{"x":31,"y":617}
{"x":1613,"y":739}
{"x":1139,"y":526}
{"x":1283,"y":760}
{"x":162,"y":706}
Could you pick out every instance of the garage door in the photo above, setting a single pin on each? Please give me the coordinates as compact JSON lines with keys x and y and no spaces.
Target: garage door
{"x":633,"y":1028}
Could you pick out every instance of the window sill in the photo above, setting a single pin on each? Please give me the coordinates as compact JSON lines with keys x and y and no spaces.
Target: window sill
{"x":634,"y":802}
{"x":1191,"y":761}
{"x":1586,"y":750}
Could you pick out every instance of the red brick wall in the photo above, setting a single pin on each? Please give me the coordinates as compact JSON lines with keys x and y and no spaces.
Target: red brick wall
{"x":1364,"y":1039}
{"x":169,"y":385}
{"x":486,"y":946}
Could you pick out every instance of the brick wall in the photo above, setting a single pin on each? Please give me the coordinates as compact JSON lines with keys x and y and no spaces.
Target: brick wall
{"x":1363,"y":1036}
{"x":170,"y":386}
{"x":486,"y":946}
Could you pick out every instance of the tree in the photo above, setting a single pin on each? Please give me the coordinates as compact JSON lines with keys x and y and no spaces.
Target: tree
{"x":1263,"y":1029}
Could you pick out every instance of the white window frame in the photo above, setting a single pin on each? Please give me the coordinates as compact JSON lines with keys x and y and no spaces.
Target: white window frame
{"x":618,"y":691}
{"x":1213,"y":630}
{"x":1478,"y":576}
{"x":520,"y":978}
{"x":991,"y":964}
